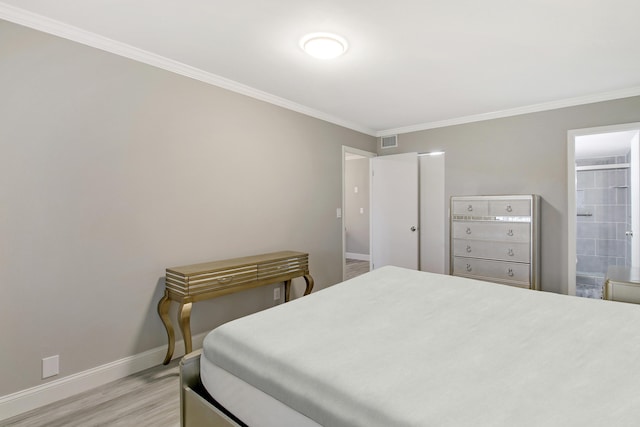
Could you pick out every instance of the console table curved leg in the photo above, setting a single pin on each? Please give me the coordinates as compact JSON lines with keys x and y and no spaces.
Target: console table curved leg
{"x":163,"y":312}
{"x":184,"y":319}
{"x":309,"y":280}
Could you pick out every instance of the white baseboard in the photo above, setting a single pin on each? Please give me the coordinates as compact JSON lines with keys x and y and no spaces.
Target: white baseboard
{"x":35,"y":397}
{"x":361,"y":257}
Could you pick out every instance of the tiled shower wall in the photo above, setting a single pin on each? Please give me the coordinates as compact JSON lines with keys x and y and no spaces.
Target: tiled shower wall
{"x":604,"y":212}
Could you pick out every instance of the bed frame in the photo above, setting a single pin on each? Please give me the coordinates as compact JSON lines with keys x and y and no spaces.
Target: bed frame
{"x":197,"y":407}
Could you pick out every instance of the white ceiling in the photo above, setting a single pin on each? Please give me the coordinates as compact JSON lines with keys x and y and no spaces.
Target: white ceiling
{"x":412,"y":64}
{"x":605,"y":144}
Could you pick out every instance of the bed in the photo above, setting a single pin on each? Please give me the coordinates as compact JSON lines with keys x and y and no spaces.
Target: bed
{"x":397,"y":347}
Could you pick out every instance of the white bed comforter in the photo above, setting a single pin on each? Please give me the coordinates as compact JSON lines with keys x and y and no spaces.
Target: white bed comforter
{"x":397,"y":347}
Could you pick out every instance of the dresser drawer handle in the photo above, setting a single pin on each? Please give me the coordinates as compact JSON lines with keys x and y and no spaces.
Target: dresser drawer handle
{"x":468,"y":249}
{"x":469,"y":267}
{"x":509,"y":208}
{"x":468,"y":230}
{"x":224,"y":280}
{"x":470,"y":208}
{"x":510,"y":233}
{"x":510,"y":252}
{"x":510,"y":272}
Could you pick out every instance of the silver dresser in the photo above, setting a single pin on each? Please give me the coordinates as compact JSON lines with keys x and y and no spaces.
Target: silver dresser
{"x":496,"y":238}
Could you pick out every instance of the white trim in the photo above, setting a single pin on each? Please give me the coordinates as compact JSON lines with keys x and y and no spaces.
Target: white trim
{"x":571,"y":193}
{"x":535,"y":108}
{"x":359,"y":257}
{"x":60,"y":29}
{"x":35,"y":397}
{"x":635,"y":200}
{"x":346,"y":149}
{"x":603,"y":167}
{"x":572,"y":259}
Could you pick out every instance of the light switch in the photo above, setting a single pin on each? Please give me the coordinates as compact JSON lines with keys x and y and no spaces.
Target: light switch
{"x":355,"y":189}
{"x":361,"y":210}
{"x":338,"y":213}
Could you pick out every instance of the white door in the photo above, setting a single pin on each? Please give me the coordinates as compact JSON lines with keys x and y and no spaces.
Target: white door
{"x":394,"y":211}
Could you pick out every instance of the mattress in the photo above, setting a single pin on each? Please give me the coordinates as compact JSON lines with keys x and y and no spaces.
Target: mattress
{"x":406,"y":348}
{"x":247,"y":403}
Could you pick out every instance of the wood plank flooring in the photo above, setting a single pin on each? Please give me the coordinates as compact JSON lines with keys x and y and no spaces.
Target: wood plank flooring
{"x":148,"y":398}
{"x":355,"y":268}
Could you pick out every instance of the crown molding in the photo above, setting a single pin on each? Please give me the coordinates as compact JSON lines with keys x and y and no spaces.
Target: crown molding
{"x":60,"y":29}
{"x":535,"y":108}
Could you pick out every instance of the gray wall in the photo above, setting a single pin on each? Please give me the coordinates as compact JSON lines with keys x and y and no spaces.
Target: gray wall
{"x":520,"y":155}
{"x":112,"y":170}
{"x":357,"y":224}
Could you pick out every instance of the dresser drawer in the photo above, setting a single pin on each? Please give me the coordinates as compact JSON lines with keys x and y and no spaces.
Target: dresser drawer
{"x":500,"y":271}
{"x":510,"y":208}
{"x":505,"y":251}
{"x":499,"y":231}
{"x":470,"y":207}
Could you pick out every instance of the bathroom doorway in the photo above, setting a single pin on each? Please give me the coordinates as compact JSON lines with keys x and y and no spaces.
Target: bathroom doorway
{"x":605,"y":217}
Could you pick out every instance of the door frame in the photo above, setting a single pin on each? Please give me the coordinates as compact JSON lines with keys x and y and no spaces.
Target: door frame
{"x":432,"y":205}
{"x":346,"y":149}
{"x":571,"y":192}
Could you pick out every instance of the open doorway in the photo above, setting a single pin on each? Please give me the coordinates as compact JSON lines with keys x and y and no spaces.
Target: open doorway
{"x":604,"y":201}
{"x":356,"y":178}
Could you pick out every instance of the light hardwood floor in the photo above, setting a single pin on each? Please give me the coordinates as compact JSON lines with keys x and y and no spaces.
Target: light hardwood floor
{"x":148,"y":398}
{"x":355,"y":268}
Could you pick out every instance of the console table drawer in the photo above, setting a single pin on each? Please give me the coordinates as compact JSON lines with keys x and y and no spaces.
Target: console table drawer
{"x":269,"y":270}
{"x":204,"y":282}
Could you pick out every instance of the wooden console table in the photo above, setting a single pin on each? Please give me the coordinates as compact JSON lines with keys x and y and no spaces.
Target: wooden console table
{"x":198,"y":282}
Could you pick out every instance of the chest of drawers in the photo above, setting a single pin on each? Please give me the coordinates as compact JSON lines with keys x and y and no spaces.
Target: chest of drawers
{"x":496,"y":238}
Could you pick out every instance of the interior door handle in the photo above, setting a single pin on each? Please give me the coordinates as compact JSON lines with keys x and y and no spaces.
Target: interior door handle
{"x":413,"y":228}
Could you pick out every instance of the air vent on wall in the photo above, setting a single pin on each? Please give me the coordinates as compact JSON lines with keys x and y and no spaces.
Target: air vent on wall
{"x":389,"y":141}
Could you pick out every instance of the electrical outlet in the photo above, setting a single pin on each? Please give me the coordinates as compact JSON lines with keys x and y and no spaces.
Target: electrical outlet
{"x":50,"y":366}
{"x":276,"y":294}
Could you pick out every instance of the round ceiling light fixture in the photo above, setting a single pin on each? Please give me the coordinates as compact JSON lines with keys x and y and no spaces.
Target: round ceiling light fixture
{"x":324,"y":45}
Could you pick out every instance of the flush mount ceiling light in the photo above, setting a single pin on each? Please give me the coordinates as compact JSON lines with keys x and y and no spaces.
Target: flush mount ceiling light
{"x":324,"y":45}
